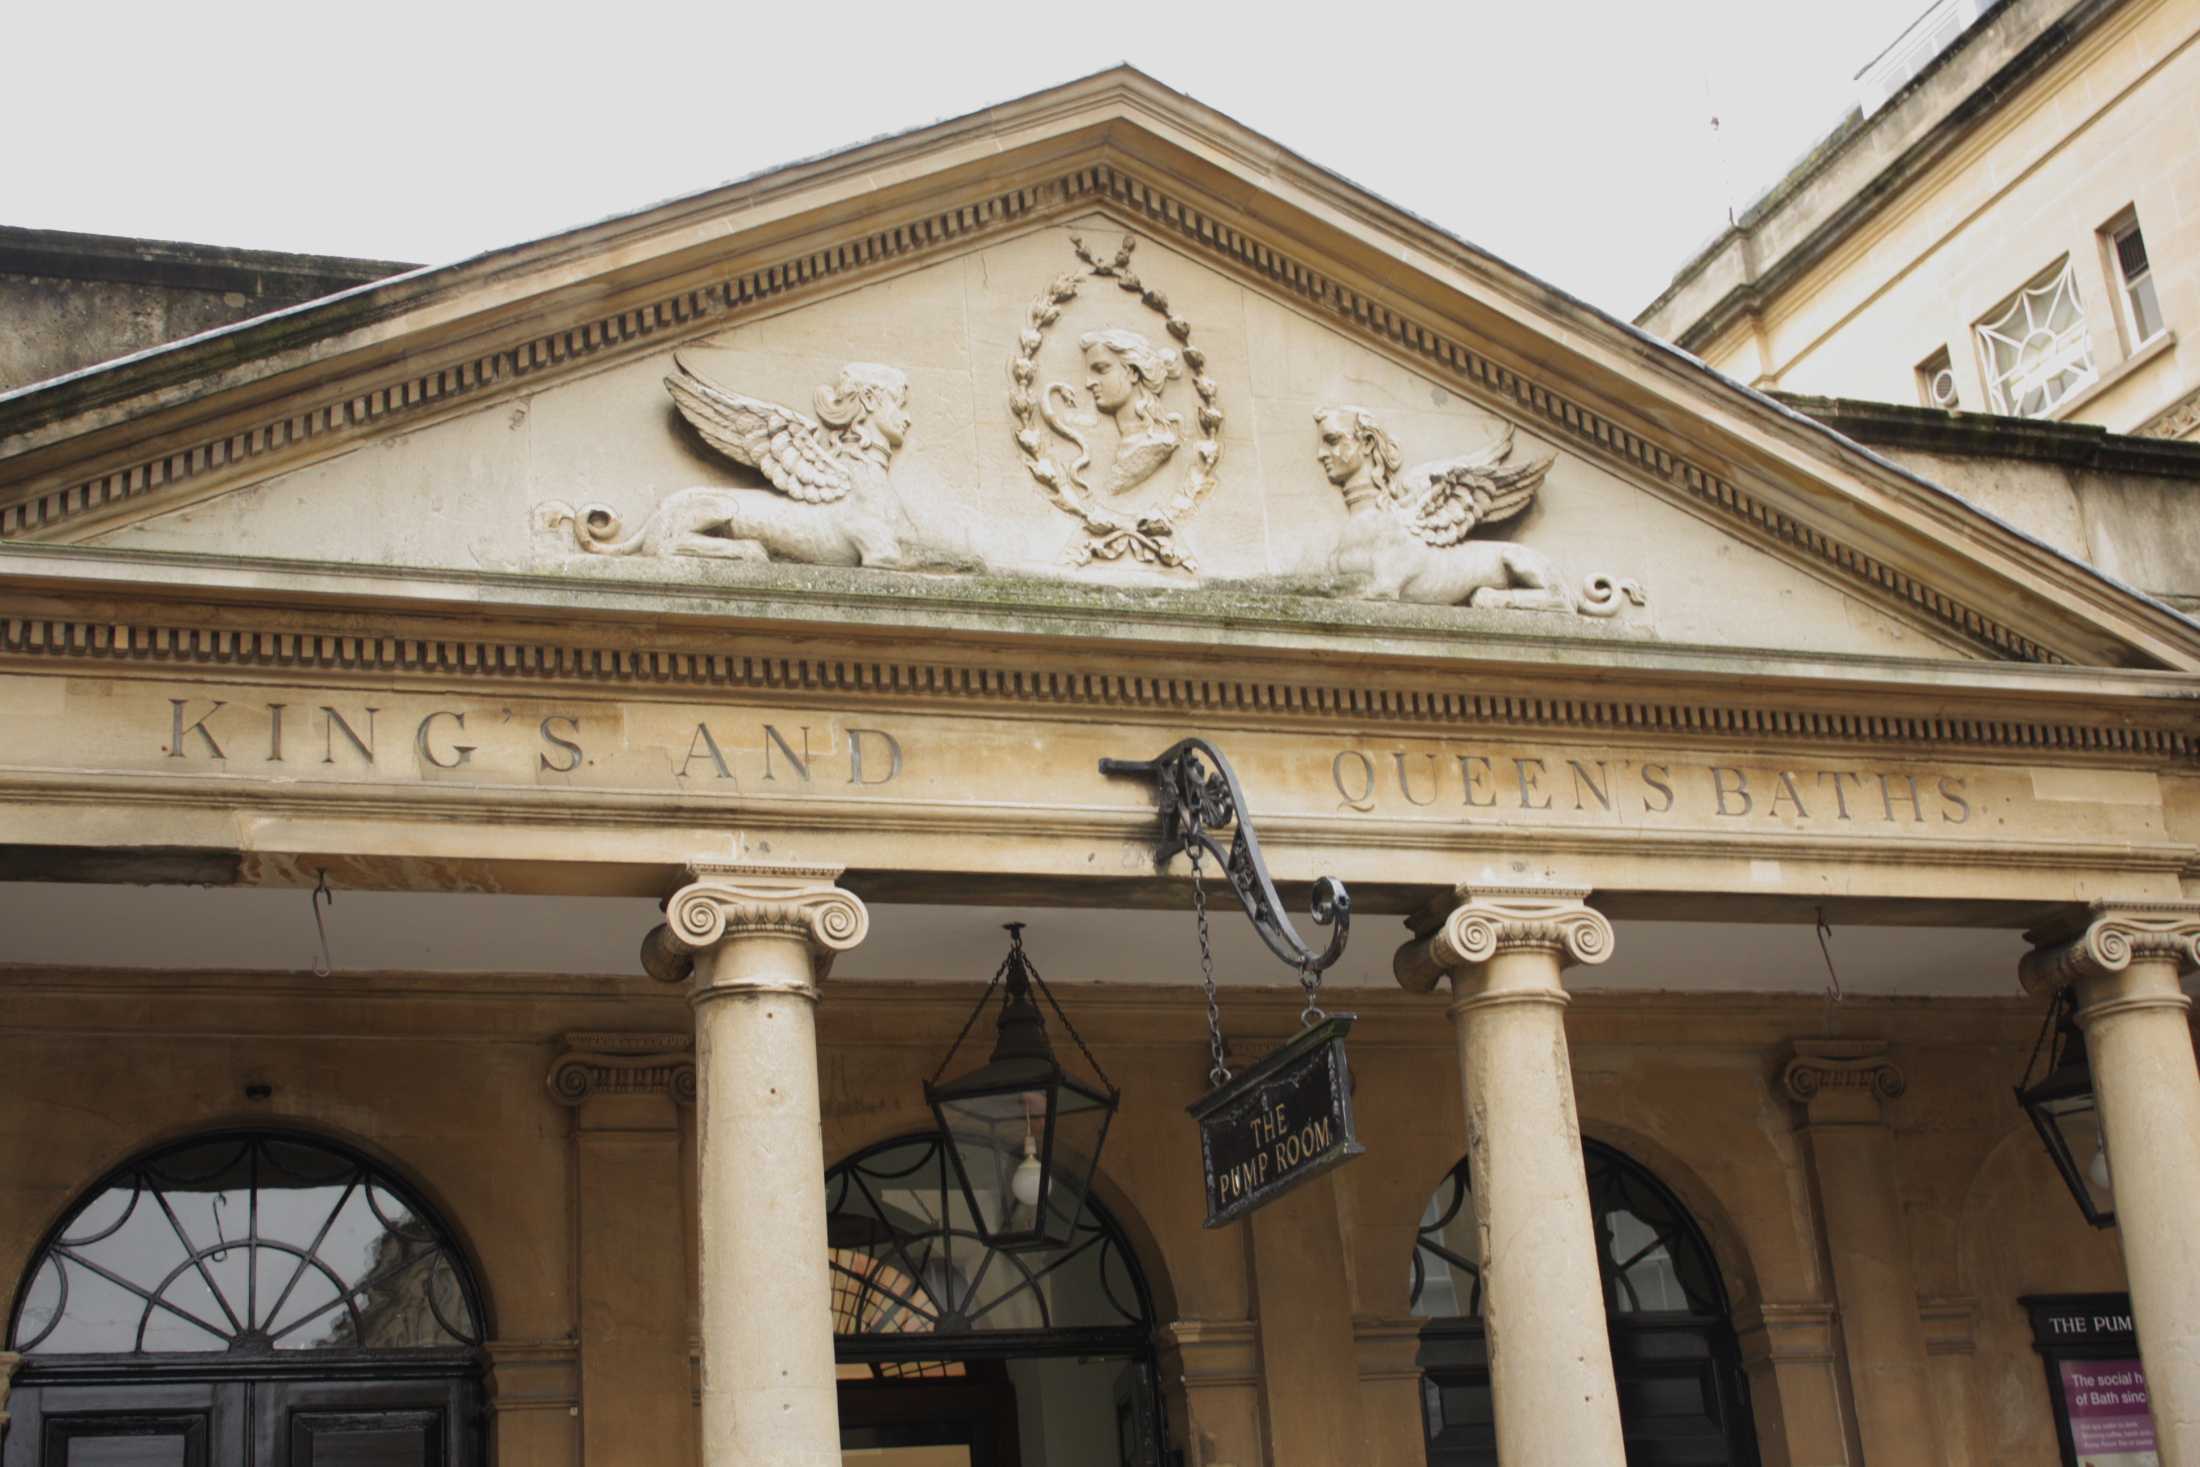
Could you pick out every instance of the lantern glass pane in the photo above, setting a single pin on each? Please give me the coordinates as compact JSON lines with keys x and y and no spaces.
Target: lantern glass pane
{"x":2083,"y":1151}
{"x":1080,"y":1126}
{"x":989,"y":1134}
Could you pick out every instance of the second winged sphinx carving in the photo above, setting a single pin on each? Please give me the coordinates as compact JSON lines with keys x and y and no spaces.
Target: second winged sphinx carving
{"x":830,"y":502}
{"x":1406,"y":535}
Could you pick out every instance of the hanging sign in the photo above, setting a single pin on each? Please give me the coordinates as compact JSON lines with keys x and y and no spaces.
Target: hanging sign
{"x":1280,"y":1124}
{"x":2094,"y":1378}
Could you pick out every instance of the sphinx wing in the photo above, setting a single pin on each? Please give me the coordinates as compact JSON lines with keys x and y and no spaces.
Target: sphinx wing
{"x":1442,"y":502}
{"x":794,"y":452}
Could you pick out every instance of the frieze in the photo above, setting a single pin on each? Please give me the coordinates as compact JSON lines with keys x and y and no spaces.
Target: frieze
{"x":303,"y":743}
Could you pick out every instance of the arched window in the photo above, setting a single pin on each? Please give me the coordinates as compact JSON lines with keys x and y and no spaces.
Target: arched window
{"x":247,"y":1285}
{"x":945,"y":1341}
{"x":1676,"y":1363}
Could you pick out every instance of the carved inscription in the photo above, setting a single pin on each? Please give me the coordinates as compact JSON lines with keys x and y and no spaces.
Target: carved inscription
{"x":1039,"y":762}
{"x":440,"y":739}
{"x":1504,"y":782}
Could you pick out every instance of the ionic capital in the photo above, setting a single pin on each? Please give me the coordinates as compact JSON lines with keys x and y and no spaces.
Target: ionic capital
{"x":624,"y":1064}
{"x":1851,"y":1067}
{"x":2108,"y":938}
{"x":1499,"y":919}
{"x":726,"y":902}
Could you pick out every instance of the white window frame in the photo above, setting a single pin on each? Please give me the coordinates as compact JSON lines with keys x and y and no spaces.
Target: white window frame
{"x":2127,"y":288}
{"x":2022,"y":352}
{"x":1940,"y":364}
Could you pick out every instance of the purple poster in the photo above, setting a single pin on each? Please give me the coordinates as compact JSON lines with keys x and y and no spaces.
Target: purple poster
{"x":2109,"y":1424}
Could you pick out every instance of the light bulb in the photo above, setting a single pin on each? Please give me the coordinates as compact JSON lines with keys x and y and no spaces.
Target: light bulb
{"x":1025,"y":1183}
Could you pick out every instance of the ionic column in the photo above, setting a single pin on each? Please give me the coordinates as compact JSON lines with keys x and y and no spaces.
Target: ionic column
{"x":1840,"y":1084}
{"x":1543,"y":1293}
{"x":2125,"y":959}
{"x":755,"y":941}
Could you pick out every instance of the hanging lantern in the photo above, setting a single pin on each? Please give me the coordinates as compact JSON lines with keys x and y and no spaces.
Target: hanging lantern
{"x":1024,"y":1134}
{"x":2062,"y":1108}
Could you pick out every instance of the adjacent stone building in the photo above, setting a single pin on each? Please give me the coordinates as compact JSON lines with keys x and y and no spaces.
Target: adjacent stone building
{"x":514,"y":774}
{"x":2004,"y":226}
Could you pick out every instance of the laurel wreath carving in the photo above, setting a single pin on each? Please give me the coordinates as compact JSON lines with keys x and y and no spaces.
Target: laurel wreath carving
{"x":1149,"y":535}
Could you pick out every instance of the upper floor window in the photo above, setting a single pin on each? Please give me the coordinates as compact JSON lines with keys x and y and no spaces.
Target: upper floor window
{"x":2142,"y":312}
{"x":1936,"y":381}
{"x":2036,"y":349}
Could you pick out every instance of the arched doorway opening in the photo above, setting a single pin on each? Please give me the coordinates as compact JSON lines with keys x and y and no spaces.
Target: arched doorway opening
{"x":954,"y":1354}
{"x":1683,"y":1399}
{"x":247,"y":1296}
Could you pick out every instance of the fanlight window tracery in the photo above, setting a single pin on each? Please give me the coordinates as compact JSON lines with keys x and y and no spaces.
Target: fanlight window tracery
{"x":1653,"y":1259}
{"x":2037,"y":351}
{"x":907,"y":1259}
{"x":244,"y":1243}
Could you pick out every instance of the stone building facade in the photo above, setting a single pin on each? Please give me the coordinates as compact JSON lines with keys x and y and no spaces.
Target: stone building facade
{"x":2007,"y":232}
{"x":1726,"y":812}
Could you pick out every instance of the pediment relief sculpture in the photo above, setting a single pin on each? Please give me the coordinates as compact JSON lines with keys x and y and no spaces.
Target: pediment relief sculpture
{"x":1127,"y":377}
{"x":1406,"y":535}
{"x":830,"y":501}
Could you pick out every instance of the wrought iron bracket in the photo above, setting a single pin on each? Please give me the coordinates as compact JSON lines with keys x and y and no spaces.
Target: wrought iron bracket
{"x":1196,"y":802}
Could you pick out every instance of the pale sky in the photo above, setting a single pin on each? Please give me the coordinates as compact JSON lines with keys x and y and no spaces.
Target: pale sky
{"x":1573,"y":140}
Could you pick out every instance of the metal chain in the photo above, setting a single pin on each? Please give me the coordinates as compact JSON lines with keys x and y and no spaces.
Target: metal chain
{"x":1220,"y":1074}
{"x":1310,"y":982}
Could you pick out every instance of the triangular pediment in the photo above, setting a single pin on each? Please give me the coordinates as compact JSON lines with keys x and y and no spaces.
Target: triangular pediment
{"x":511,"y":415}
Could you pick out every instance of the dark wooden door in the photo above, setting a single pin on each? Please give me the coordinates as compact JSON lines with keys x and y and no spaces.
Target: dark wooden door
{"x":976,"y":1410}
{"x":1683,"y":1400}
{"x":239,"y":1421}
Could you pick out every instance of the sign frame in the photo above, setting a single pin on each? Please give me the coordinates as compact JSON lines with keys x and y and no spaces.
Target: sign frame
{"x":2073,"y":1329}
{"x":1295,"y":1102}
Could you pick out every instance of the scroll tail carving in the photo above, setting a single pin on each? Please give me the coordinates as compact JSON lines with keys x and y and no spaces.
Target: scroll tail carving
{"x":598,"y":527}
{"x":1602,"y":595}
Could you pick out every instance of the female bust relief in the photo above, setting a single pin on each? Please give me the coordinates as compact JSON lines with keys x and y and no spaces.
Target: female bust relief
{"x":1125,"y":373}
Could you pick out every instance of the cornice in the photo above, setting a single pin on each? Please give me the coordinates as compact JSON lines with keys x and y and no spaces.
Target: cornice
{"x":1240,"y":658}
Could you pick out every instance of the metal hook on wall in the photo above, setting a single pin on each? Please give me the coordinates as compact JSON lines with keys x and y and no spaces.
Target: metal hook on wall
{"x":325,"y":965}
{"x":1825,"y":932}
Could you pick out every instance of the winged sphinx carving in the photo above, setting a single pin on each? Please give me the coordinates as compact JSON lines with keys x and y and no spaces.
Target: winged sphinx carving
{"x":1406,"y":537}
{"x":829,"y":503}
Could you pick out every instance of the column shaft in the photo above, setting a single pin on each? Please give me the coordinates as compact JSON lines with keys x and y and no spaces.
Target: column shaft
{"x":756,"y":934}
{"x":769,"y":1394}
{"x":1543,"y":1294}
{"x":2125,"y":964}
{"x":1543,"y":1291}
{"x":2148,"y":1090}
